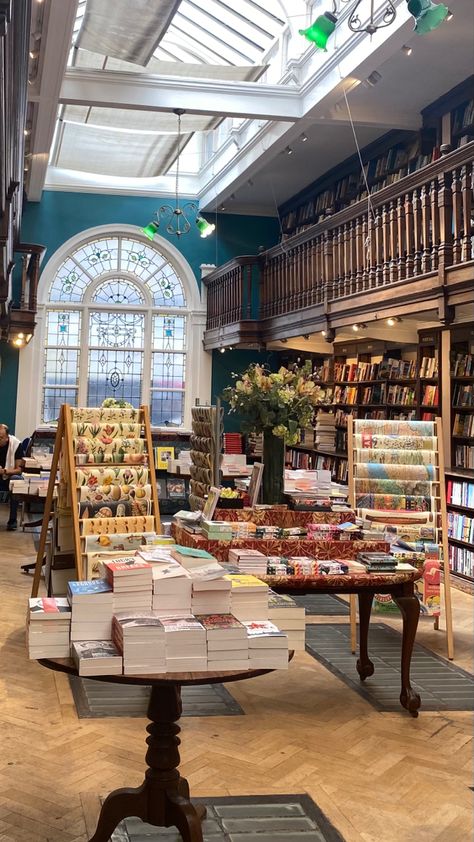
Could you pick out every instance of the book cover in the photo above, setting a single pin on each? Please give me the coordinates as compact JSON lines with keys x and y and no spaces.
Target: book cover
{"x":46,"y":608}
{"x":132,"y":563}
{"x":246,"y":581}
{"x":262,"y":628}
{"x":218,"y":622}
{"x":92,"y":649}
{"x":180,"y":624}
{"x":163,"y":457}
{"x":94,"y":586}
{"x":190,"y":552}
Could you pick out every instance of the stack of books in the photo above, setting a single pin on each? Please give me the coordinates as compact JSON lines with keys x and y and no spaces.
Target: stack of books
{"x":92,"y":608}
{"x":249,"y":597}
{"x":185,"y":644}
{"x":171,"y":590}
{"x":211,"y":596}
{"x":325,"y":431}
{"x":242,"y":529}
{"x":227,"y":642}
{"x":131,"y":579}
{"x":48,"y":628}
{"x":268,"y":645}
{"x":249,"y":561}
{"x":97,"y":657}
{"x":140,"y":638}
{"x":216,"y":530}
{"x":289,"y":617}
{"x":378,"y":562}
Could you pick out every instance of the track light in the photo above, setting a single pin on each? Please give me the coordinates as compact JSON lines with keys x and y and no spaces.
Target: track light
{"x":222,"y":208}
{"x":222,"y":350}
{"x":304,"y":137}
{"x":373,"y":79}
{"x":407,"y":50}
{"x":393,"y":320}
{"x":356,"y":327}
{"x":284,"y":341}
{"x":450,"y":15}
{"x":306,"y":336}
{"x":289,"y":150}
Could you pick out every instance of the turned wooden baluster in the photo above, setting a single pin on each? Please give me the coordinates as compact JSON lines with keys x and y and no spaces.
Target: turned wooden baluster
{"x":386,"y":244}
{"x":340,"y":251}
{"x":417,"y":232}
{"x":457,"y":216}
{"x":466,"y":187}
{"x":393,"y":242}
{"x":372,"y":252}
{"x":347,"y":258}
{"x":401,"y":238}
{"x":409,"y":237}
{"x":365,"y":255}
{"x":378,"y":248}
{"x":425,"y":230}
{"x":328,"y":257}
{"x":445,"y":220}
{"x":434,"y":225}
{"x":318,"y":281}
{"x":353,"y":255}
{"x":359,"y":254}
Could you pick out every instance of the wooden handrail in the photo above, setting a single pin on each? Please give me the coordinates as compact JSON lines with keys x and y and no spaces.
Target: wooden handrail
{"x":234,"y":263}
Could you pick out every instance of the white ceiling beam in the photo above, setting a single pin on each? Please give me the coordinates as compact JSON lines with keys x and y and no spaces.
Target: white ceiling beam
{"x":55,"y":45}
{"x":118,"y":89}
{"x":364,"y":116}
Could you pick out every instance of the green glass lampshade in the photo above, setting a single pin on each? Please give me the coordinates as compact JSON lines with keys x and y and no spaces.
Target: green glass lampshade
{"x":205,"y":228}
{"x":150,"y":230}
{"x":428,"y":15}
{"x":320,"y":30}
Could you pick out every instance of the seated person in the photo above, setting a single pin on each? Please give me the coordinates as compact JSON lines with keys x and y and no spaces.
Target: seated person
{"x":11,"y":464}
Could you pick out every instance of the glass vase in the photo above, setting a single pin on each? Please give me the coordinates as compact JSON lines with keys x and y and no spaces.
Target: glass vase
{"x":273,"y":471}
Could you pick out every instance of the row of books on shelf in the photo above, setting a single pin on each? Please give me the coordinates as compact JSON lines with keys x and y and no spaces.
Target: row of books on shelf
{"x":463,"y":365}
{"x":463,"y":395}
{"x":463,"y":117}
{"x":461,"y":527}
{"x":464,"y":456}
{"x":429,"y":396}
{"x":429,"y":367}
{"x":460,"y":493}
{"x":461,"y":560}
{"x":463,"y":425}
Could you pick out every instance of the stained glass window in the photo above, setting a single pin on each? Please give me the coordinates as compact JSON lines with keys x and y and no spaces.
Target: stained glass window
{"x":118,"y":297}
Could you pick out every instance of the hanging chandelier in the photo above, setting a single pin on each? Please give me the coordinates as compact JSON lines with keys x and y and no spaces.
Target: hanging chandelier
{"x":427,"y":16}
{"x":177,"y":218}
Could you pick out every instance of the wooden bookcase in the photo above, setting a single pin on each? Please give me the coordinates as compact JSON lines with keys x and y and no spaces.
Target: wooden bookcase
{"x":460,"y":506}
{"x":462,"y":397}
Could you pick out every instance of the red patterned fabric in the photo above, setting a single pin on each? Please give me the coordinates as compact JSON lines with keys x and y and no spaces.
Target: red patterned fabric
{"x":324,"y":549}
{"x":340,"y":583}
{"x":282,"y":516}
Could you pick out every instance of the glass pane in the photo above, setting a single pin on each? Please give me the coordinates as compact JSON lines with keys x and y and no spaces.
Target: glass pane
{"x":168,"y":371}
{"x":70,"y":283}
{"x":53,"y":400}
{"x":168,"y":332}
{"x":61,"y":367}
{"x":166,"y":289}
{"x":119,"y":330}
{"x":114,"y":374}
{"x":118,"y":291}
{"x":63,"y":328}
{"x":167,"y":408}
{"x":140,"y":259}
{"x":98,"y":256}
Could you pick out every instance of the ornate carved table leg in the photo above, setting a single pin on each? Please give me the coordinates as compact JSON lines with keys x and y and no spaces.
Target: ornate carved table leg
{"x":163,"y":799}
{"x":410,"y":610}
{"x":364,"y":665}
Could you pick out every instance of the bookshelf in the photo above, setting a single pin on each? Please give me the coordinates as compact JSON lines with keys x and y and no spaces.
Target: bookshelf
{"x":460,"y":506}
{"x":429,"y":374}
{"x":462,"y":397}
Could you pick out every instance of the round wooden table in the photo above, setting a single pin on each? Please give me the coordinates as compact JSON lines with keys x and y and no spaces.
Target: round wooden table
{"x":163,"y":798}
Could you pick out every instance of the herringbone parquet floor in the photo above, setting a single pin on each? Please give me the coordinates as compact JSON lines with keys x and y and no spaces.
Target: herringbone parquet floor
{"x":380,"y":777}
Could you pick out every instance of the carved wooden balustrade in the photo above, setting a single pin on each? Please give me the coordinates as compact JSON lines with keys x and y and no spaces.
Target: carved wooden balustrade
{"x":417,"y":227}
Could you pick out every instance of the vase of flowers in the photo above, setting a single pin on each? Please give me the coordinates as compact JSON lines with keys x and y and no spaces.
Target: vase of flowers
{"x":277,"y":404}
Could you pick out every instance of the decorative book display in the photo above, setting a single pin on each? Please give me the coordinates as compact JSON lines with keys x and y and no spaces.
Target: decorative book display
{"x":206,"y":449}
{"x":396,"y":483}
{"x":107,"y":496}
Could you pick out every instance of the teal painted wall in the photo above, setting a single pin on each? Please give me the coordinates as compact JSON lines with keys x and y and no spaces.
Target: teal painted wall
{"x":60,"y":216}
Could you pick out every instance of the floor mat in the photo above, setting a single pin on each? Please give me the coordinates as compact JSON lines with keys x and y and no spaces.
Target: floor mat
{"x":272,"y":818}
{"x":322,"y":604}
{"x":441,"y":684}
{"x":96,"y":699}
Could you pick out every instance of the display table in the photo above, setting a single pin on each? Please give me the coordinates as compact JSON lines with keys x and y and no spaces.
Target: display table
{"x":323,"y":548}
{"x":400,"y":586}
{"x":281,"y":516}
{"x":163,"y":798}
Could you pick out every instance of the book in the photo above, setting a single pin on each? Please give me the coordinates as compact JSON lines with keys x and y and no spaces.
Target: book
{"x":222,"y":627}
{"x":48,"y":608}
{"x":163,"y":455}
{"x":98,"y":657}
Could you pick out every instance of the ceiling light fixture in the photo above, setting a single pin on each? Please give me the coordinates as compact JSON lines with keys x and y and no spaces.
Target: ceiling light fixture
{"x":356,"y":327}
{"x":177,"y":217}
{"x":289,"y":150}
{"x":222,"y":350}
{"x":450,"y":15}
{"x":407,"y":50}
{"x":428,"y":15}
{"x":393,"y":320}
{"x":304,"y":137}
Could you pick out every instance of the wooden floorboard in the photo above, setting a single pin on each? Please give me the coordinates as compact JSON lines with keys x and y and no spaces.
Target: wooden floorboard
{"x":379,"y":777}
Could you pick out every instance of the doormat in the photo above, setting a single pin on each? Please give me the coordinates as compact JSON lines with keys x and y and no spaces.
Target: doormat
{"x":266,"y":818}
{"x":322,"y":604}
{"x":441,"y":684}
{"x":97,"y":699}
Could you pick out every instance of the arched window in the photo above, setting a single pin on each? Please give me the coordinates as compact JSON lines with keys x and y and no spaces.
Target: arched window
{"x":121,"y":318}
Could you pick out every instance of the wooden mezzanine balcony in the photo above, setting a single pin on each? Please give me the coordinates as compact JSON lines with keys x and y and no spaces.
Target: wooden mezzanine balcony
{"x":410,"y":248}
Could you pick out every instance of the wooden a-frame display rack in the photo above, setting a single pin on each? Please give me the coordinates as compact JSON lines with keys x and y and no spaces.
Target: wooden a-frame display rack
{"x":442,"y":525}
{"x":64,"y":460}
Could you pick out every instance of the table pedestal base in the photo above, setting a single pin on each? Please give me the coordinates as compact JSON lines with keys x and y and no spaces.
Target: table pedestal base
{"x":163,"y":798}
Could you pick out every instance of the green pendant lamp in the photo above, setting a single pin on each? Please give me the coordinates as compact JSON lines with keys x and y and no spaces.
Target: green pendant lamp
{"x":320,"y":31}
{"x":205,"y":228}
{"x":428,"y":15}
{"x":150,"y":230}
